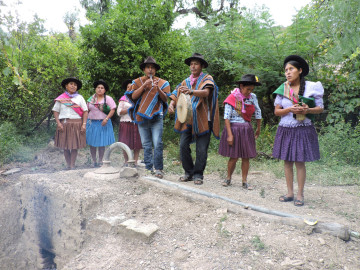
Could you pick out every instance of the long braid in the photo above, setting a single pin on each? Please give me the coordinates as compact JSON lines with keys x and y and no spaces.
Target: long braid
{"x":302,"y":85}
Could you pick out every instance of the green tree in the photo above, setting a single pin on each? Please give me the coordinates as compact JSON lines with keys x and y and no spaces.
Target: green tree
{"x":336,"y":54}
{"x":246,"y":43}
{"x":32,"y":65}
{"x":115,"y":43}
{"x":205,"y":9}
{"x":70,"y":20}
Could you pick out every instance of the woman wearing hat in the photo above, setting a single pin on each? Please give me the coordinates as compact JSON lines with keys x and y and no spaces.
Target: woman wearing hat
{"x":70,"y":112}
{"x":238,"y":139}
{"x":296,"y":140}
{"x":100,"y":131}
{"x":128,"y":130}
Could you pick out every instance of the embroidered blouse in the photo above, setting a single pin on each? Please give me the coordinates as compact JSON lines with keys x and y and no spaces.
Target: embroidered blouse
{"x":231,"y":114}
{"x":312,"y":89}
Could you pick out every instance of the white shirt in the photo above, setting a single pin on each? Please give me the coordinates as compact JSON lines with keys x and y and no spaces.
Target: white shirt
{"x":67,"y":112}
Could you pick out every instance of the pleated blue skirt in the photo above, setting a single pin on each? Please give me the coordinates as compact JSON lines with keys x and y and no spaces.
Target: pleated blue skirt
{"x":98,"y":135}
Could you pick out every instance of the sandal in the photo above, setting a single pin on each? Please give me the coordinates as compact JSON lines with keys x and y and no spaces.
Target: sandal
{"x":245,"y":185}
{"x":226,"y":183}
{"x":299,"y":202}
{"x":198,"y":181}
{"x":185,"y":178}
{"x":159,"y":174}
{"x":284,"y":198}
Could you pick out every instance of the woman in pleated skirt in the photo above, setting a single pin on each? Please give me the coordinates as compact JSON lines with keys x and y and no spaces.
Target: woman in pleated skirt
{"x":100,"y":131}
{"x":296,"y":140}
{"x":128,"y":129}
{"x":238,"y":138}
{"x":70,"y":112}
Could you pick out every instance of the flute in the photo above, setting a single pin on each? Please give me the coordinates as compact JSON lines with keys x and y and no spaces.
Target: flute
{"x":152,"y":82}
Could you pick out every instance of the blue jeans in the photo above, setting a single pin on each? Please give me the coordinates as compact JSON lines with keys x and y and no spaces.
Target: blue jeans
{"x":151,"y":131}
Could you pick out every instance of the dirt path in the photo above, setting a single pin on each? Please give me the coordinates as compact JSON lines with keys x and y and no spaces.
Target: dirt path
{"x":202,"y":233}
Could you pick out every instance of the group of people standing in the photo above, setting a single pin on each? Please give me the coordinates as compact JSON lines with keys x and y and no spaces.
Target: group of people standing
{"x":145,"y":103}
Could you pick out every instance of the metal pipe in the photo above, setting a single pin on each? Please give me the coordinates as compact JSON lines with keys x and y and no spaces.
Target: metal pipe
{"x":213,"y":195}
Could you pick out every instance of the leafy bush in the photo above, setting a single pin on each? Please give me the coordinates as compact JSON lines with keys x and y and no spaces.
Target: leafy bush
{"x":10,"y":142}
{"x":265,"y":142}
{"x":340,"y":144}
{"x":32,"y":65}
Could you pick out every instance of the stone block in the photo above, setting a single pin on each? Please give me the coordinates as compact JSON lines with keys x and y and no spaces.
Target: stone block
{"x":134,"y":228}
{"x":106,"y":224}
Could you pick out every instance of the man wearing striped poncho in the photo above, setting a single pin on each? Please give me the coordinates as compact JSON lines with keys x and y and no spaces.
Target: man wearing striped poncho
{"x":205,"y":118}
{"x":148,"y":96}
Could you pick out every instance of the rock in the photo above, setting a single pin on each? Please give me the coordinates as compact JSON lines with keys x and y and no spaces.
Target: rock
{"x":322,"y":241}
{"x":135,"y":228}
{"x":106,"y":224}
{"x":221,"y":212}
{"x":128,"y":172}
{"x":289,"y":262}
{"x":355,"y":234}
{"x":51,"y":146}
{"x":12,"y":171}
{"x":335,"y":229}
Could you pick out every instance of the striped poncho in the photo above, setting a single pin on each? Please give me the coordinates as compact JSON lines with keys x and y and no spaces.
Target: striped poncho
{"x":149,"y":103}
{"x":202,"y":108}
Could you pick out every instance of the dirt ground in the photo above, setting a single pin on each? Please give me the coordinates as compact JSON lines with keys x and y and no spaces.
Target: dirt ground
{"x":196,"y":232}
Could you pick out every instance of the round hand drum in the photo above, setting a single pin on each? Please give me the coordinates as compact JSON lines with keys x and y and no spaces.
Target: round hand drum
{"x":183,"y":108}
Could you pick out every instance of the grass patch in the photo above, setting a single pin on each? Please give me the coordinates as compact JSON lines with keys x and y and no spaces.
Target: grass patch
{"x":15,"y":146}
{"x":257,"y":243}
{"x":221,"y":229}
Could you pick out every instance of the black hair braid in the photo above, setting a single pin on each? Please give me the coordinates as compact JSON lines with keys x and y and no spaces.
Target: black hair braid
{"x":302,"y":85}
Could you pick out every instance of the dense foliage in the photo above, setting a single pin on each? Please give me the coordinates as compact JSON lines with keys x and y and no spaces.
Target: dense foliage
{"x":33,"y":65}
{"x":116,"y":42}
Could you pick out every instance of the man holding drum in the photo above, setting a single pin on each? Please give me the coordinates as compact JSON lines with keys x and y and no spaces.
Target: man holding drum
{"x":197,"y":128}
{"x":148,"y":96}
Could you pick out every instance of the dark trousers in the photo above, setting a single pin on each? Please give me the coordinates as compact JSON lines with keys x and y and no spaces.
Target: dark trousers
{"x":202,"y":145}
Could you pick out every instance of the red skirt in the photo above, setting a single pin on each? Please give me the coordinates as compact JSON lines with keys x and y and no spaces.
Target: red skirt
{"x":129,"y":134}
{"x":70,"y":137}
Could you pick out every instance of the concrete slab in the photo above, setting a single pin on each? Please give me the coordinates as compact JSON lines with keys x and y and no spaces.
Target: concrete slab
{"x":135,"y":228}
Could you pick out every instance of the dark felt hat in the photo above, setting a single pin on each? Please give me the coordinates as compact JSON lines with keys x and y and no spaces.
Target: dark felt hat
{"x":304,"y":65}
{"x":72,"y":79}
{"x":196,"y":56}
{"x":249,"y":79}
{"x":125,"y":83}
{"x":102,"y":82}
{"x":149,"y":60}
